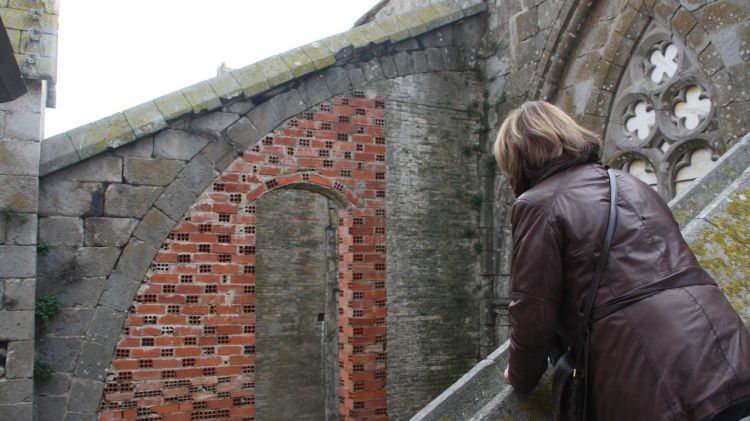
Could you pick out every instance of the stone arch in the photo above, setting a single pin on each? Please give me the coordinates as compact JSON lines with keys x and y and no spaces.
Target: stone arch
{"x":345,"y":163}
{"x":609,"y":49}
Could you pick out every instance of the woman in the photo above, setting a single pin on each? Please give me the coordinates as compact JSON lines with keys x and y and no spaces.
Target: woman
{"x":677,"y":353}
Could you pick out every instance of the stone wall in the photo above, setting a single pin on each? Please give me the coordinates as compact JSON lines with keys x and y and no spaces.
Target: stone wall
{"x":433,"y":285}
{"x":20,"y":134}
{"x":297,"y":307}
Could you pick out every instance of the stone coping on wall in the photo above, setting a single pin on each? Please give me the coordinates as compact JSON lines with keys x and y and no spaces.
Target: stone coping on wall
{"x":121,"y":128}
{"x":689,"y":203}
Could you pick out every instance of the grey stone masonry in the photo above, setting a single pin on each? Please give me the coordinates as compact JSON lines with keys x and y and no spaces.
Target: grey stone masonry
{"x":252,"y":81}
{"x":19,"y":157}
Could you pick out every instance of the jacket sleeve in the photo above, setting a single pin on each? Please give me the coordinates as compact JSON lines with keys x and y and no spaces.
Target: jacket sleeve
{"x":536,"y":282}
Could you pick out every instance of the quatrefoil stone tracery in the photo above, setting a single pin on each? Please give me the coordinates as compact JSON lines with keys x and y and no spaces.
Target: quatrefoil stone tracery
{"x":642,"y":120}
{"x":664,"y":63}
{"x":693,"y":109}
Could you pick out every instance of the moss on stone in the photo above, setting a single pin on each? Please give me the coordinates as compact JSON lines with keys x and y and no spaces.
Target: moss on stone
{"x":723,"y":250}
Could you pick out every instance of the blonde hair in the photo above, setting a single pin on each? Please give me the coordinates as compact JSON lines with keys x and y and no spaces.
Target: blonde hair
{"x":538,"y":138}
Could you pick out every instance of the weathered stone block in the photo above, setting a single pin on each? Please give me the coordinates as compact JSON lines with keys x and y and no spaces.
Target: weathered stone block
{"x":78,"y":292}
{"x":240,"y":107}
{"x":81,"y":394}
{"x":356,"y":77}
{"x":225,"y":86}
{"x":434,"y":59}
{"x":102,"y":168}
{"x":298,"y":62}
{"x":49,"y":407}
{"x":21,"y":232}
{"x":251,"y":80}
{"x":145,"y":119}
{"x":70,"y":322}
{"x":143,"y":148}
{"x":287,"y":104}
{"x":119,"y":292}
{"x":176,"y":200}
{"x":93,"y":361}
{"x":23,"y":125}
{"x":395,"y":29}
{"x":19,"y":362}
{"x":108,"y":232}
{"x":58,"y":384}
{"x":314,"y":90}
{"x":60,"y":353}
{"x":106,"y":326}
{"x":264,"y":117}
{"x":136,"y":259}
{"x":154,"y":172}
{"x":197,"y":174}
{"x":403,"y":63}
{"x":201,"y":97}
{"x":18,"y":411}
{"x":213,"y":123}
{"x":363,"y":35}
{"x":57,"y":152}
{"x":60,"y":197}
{"x":337,"y":80}
{"x":96,"y":261}
{"x":116,"y":130}
{"x":321,"y":56}
{"x":177,"y":144}
{"x":173,"y":105}
{"x":19,"y":158}
{"x":220,"y":153}
{"x":154,"y":227}
{"x":22,"y":293}
{"x":372,"y":70}
{"x":88,"y":140}
{"x":451,"y":59}
{"x":129,"y":201}
{"x":275,"y":71}
{"x":17,"y":262}
{"x":335,"y":43}
{"x":388,"y":65}
{"x":16,"y":390}
{"x":419,"y":59}
{"x":16,"y":326}
{"x":243,"y":133}
{"x":57,"y":263}
{"x":18,"y":192}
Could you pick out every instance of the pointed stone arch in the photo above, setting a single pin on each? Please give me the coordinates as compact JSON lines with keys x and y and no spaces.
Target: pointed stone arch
{"x":193,"y":316}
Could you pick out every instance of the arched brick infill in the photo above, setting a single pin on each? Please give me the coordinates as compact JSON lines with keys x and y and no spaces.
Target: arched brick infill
{"x":187,"y":351}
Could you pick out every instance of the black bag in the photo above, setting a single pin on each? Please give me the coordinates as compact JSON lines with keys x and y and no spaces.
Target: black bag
{"x":568,"y":390}
{"x":570,"y":374}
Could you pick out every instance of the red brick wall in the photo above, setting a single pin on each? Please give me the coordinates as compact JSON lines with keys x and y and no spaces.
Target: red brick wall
{"x":187,"y":351}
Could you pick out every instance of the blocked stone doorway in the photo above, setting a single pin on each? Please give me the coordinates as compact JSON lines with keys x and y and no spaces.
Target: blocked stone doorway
{"x":296,"y":289}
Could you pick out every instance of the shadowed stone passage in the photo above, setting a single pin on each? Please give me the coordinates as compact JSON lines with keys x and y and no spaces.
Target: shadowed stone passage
{"x":297,"y":351}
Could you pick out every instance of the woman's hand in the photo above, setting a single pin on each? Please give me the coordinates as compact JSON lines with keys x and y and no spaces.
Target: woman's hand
{"x":506,"y":375}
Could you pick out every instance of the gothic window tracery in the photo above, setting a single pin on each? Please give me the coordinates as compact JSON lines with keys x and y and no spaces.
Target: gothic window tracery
{"x":663,"y":126}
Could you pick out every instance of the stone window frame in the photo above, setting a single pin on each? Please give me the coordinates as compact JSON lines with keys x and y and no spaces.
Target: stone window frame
{"x":667,"y":148}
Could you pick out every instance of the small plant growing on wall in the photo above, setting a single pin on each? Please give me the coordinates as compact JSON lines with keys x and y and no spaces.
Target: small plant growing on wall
{"x":471,"y":148}
{"x":476,"y":200}
{"x":8,"y":213}
{"x":489,"y":160}
{"x":42,"y":370}
{"x":47,"y":306}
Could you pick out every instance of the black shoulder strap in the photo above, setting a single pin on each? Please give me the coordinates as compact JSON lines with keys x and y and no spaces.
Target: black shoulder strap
{"x":605,"y":248}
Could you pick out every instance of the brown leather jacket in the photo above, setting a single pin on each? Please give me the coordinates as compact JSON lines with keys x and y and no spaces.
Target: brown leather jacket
{"x":679,"y":354}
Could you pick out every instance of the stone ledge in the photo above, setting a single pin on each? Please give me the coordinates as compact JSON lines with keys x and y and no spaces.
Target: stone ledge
{"x":688,"y":204}
{"x":153,"y":116}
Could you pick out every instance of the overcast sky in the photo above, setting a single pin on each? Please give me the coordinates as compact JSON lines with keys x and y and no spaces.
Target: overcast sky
{"x":114,"y":54}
